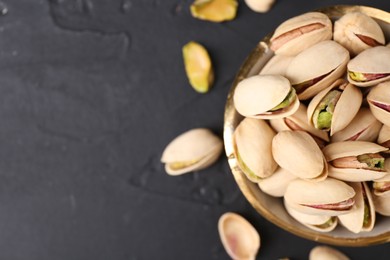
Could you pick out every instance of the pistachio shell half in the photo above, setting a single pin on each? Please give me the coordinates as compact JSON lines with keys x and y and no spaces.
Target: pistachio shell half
{"x":315,"y":68}
{"x":362,"y":216}
{"x":277,"y":65}
{"x":260,"y":6}
{"x":239,"y":238}
{"x":334,"y":107}
{"x":355,"y":161}
{"x":276,"y":184}
{"x":358,"y":32}
{"x":370,"y":67}
{"x":363,"y":127}
{"x":382,"y":204}
{"x":379,"y":102}
{"x":300,"y":32}
{"x":298,"y":153}
{"x":193,"y":150}
{"x":253,"y":140}
{"x":214,"y":10}
{"x":381,"y":186}
{"x":326,"y":253}
{"x":265,"y":97}
{"x":384,"y":136}
{"x":329,"y":197}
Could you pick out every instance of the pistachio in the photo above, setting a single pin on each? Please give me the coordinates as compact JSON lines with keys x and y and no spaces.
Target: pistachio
{"x":301,"y":32}
{"x":214,"y":10}
{"x":260,"y":6}
{"x":198,"y":67}
{"x":239,"y":238}
{"x":277,"y":65}
{"x":381,"y":186}
{"x":382,"y":204}
{"x":358,"y":32}
{"x":384,"y":136}
{"x":276,"y":184}
{"x":379,"y":101}
{"x":326,"y":253}
{"x":193,"y":150}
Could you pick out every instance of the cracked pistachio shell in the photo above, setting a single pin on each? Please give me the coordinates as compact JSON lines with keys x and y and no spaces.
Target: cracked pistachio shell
{"x":314,"y":222}
{"x":193,"y":150}
{"x":329,"y":191}
{"x":253,"y":140}
{"x":380,"y":95}
{"x":260,"y":6}
{"x":276,"y":184}
{"x":256,"y":95}
{"x":374,"y":60}
{"x":300,"y":32}
{"x":277,"y":65}
{"x":326,"y":59}
{"x":239,"y":238}
{"x":354,"y":219}
{"x":214,"y":10}
{"x":298,"y":153}
{"x":352,"y":148}
{"x":198,"y":67}
{"x":382,"y":204}
{"x":345,"y":109}
{"x":358,"y":32}
{"x":363,"y":127}
{"x":386,"y":179}
{"x":326,"y":253}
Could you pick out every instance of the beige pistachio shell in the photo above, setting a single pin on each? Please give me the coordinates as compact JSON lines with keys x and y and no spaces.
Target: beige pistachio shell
{"x":358,"y":32}
{"x":239,"y":238}
{"x":382,"y":204}
{"x":326,"y":59}
{"x":259,"y":6}
{"x":326,"y":253}
{"x":374,"y":60}
{"x":300,"y":32}
{"x":384,"y":179}
{"x":363,"y":127}
{"x":193,"y":150}
{"x":380,"y":95}
{"x":384,"y":134}
{"x":276,"y":184}
{"x":345,"y":109}
{"x":301,"y":195}
{"x":297,"y":152}
{"x":253,"y":140}
{"x":354,"y":220}
{"x":318,"y":223}
{"x":277,"y":65}
{"x":256,"y":95}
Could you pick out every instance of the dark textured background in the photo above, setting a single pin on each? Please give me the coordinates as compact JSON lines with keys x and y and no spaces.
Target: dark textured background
{"x":91,"y":92}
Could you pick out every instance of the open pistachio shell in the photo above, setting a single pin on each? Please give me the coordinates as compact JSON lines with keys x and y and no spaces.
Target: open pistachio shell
{"x":277,"y":65}
{"x":301,"y":32}
{"x":362,"y":216}
{"x":298,"y":153}
{"x":352,"y":169}
{"x":260,"y":96}
{"x":317,"y":67}
{"x":384,"y":136}
{"x":214,"y":10}
{"x":193,"y":150}
{"x":358,"y":32}
{"x":326,"y":253}
{"x":276,"y":184}
{"x":253,"y":140}
{"x":260,"y":6}
{"x":382,"y":204}
{"x":329,"y":197}
{"x":379,"y":102}
{"x":363,"y":127}
{"x":381,"y":187}
{"x":318,"y":223}
{"x":370,"y":67}
{"x":239,"y":238}
{"x":345,"y":108}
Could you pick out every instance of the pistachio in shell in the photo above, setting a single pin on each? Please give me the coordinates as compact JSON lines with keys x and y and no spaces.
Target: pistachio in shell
{"x":259,"y":6}
{"x":370,"y":67}
{"x":329,"y":197}
{"x":239,"y":238}
{"x":317,"y":67}
{"x":355,"y":161}
{"x":276,"y":184}
{"x":300,"y":32}
{"x":193,"y":150}
{"x":277,"y":65}
{"x":379,"y":101}
{"x":298,"y":153}
{"x":381,"y":187}
{"x":384,"y":136}
{"x":358,"y":32}
{"x":363,"y":127}
{"x":326,"y":253}
{"x":265,"y":97}
{"x":334,"y":107}
{"x":382,"y":204}
{"x":253,"y":140}
{"x":198,"y":66}
{"x":214,"y":10}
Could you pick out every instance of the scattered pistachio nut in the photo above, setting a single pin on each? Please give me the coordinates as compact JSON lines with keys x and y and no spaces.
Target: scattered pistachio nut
{"x":326,"y":253}
{"x":214,"y":10}
{"x":260,"y":6}
{"x":198,"y":66}
{"x":193,"y":150}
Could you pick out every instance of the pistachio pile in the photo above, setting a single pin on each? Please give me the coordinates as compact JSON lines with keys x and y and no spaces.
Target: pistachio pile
{"x":316,"y":127}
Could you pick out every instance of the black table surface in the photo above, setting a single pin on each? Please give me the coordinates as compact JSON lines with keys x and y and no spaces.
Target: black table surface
{"x":91,"y":92}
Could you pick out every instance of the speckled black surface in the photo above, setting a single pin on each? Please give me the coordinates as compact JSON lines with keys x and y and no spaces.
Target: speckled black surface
{"x":90,"y":94}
